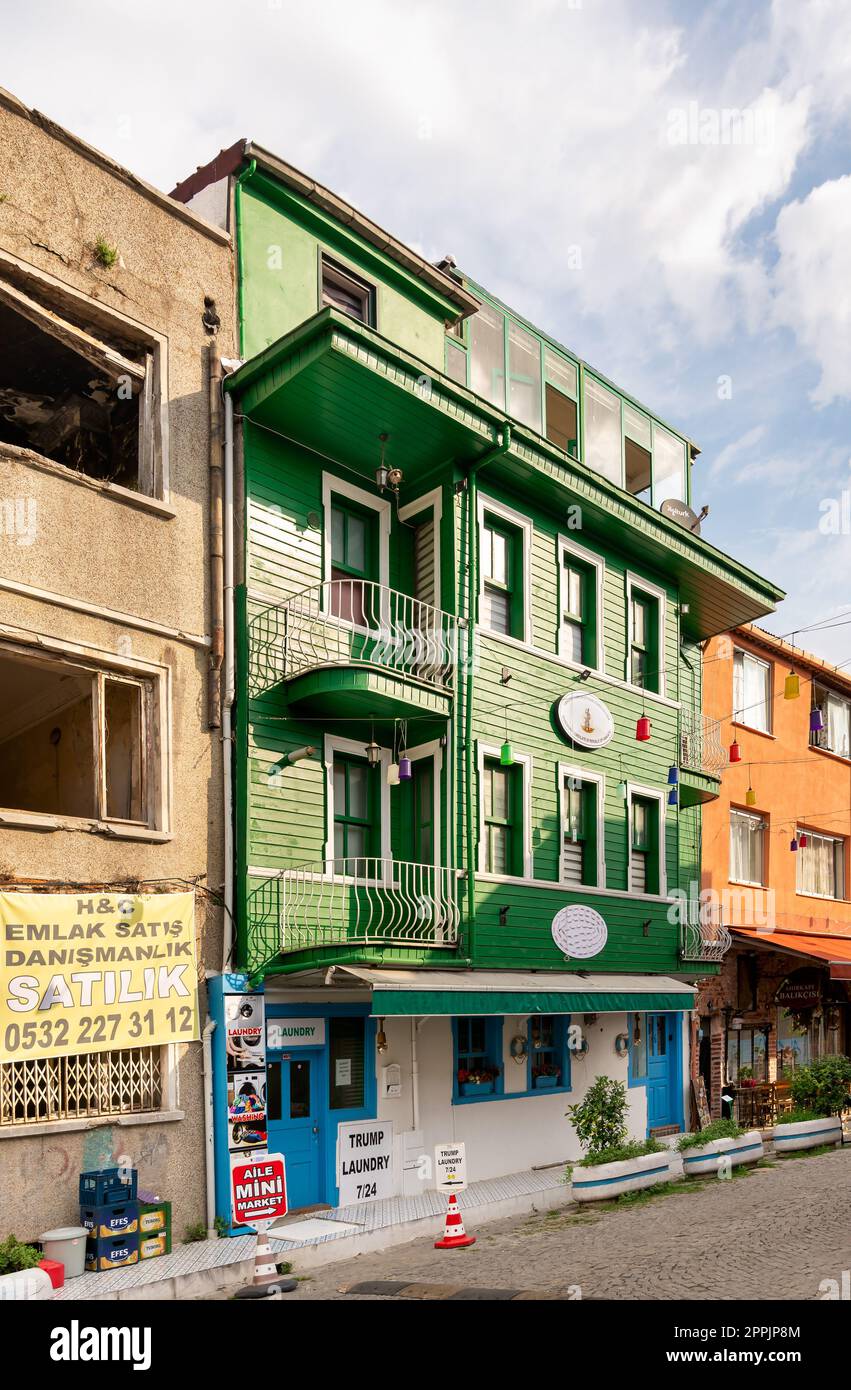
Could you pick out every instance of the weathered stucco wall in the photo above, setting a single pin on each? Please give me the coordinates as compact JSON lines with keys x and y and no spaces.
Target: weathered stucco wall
{"x":93,"y":549}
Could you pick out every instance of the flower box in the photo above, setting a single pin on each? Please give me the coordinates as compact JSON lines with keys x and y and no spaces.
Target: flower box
{"x":601,"y":1181}
{"x":545,"y":1083}
{"x":704,"y":1158}
{"x":807,"y":1134}
{"x":476,"y":1088}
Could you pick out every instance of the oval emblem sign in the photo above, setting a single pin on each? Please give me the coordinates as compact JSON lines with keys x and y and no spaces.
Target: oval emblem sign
{"x":579,"y":931}
{"x":585,"y":719}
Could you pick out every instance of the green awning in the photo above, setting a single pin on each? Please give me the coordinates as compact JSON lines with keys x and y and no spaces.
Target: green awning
{"x":422,"y":992}
{"x":421,"y":1002}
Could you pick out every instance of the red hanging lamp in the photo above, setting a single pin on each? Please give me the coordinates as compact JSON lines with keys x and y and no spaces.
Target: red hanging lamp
{"x":642,"y":728}
{"x":735,"y":752}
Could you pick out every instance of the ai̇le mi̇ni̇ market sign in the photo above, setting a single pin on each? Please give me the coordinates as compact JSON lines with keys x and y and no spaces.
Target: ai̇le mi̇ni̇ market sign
{"x":87,"y":973}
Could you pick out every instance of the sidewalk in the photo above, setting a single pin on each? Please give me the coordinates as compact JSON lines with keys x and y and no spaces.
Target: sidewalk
{"x":321,"y":1238}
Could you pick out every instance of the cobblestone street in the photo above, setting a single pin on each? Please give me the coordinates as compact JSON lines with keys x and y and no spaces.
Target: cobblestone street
{"x":773,"y":1234}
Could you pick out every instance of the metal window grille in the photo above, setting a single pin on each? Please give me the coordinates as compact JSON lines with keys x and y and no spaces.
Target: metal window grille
{"x":128,"y":1082}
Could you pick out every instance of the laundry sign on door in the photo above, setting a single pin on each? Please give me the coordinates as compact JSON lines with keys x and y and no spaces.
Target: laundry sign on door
{"x":295,"y":1032}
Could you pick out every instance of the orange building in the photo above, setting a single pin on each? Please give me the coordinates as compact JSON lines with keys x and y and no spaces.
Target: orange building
{"x":775,"y":867}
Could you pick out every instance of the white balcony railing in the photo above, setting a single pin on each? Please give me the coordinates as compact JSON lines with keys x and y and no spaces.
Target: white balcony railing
{"x":353,"y":622}
{"x":344,"y":902}
{"x":701,"y":748}
{"x":703,"y":936}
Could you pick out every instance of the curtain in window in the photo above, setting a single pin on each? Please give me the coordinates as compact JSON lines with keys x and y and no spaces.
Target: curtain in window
{"x":750,"y":691}
{"x":746,"y":845}
{"x":839,"y":726}
{"x":820,"y":868}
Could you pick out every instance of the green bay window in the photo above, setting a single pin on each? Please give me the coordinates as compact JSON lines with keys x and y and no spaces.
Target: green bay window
{"x":644,"y":653}
{"x":502,"y":793}
{"x":502,"y":578}
{"x":354,"y":560}
{"x":579,"y":848}
{"x":645,"y":836}
{"x":355,"y":808}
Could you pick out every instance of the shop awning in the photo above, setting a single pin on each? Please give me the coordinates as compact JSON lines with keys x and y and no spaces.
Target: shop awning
{"x":463,"y":992}
{"x":833,"y":951}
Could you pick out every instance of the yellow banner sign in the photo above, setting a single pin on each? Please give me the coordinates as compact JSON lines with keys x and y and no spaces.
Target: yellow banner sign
{"x":94,"y":972}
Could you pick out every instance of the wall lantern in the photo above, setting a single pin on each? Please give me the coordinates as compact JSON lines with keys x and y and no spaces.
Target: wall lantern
{"x":735,"y":752}
{"x":517,"y":1047}
{"x":381,"y":1037}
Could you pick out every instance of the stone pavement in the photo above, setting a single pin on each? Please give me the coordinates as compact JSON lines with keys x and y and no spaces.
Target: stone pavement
{"x":774,"y":1234}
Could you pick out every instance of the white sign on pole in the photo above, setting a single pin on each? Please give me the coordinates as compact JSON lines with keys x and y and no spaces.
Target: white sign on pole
{"x":364,"y":1161}
{"x":450,"y":1167}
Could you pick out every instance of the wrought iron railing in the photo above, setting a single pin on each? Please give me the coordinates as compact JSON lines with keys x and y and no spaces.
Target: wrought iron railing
{"x":353,"y":621}
{"x":343,"y":902}
{"x":703,"y":936}
{"x":700,"y":743}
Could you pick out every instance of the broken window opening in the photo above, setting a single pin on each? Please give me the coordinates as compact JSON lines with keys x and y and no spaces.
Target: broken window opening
{"x":73,"y":742}
{"x":74,"y":398}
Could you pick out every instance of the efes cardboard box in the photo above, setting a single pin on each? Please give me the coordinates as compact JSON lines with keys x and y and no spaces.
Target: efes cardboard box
{"x":111,"y":1252}
{"x":112,"y":1219}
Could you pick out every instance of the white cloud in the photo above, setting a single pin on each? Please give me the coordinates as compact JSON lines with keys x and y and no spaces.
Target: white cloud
{"x":812,"y":282}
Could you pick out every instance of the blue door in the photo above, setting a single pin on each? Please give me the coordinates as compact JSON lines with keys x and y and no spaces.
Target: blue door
{"x":663,"y":1100}
{"x":296,"y":1114}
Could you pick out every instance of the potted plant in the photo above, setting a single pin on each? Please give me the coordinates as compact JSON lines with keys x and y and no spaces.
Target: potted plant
{"x":723,"y":1140}
{"x":20,"y":1275}
{"x":613,"y":1164}
{"x":819,"y":1094}
{"x":477,"y":1083}
{"x":545,"y":1076}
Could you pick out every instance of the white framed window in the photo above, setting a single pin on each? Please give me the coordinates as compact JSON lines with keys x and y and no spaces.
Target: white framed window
{"x":357,"y":802}
{"x":355,"y":552}
{"x":425,"y":514}
{"x":751,"y":691}
{"x":747,"y":848}
{"x":646,"y":607}
{"x":505,"y":545}
{"x":342,"y":289}
{"x":820,"y":865}
{"x":645,"y":809}
{"x":81,"y":742}
{"x":85,"y":1086}
{"x":580,"y":576}
{"x":835,"y":736}
{"x":505,"y":814}
{"x":582,"y":798}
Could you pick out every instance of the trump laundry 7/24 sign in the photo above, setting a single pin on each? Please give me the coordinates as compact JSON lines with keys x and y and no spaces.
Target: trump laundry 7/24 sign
{"x":91,"y":972}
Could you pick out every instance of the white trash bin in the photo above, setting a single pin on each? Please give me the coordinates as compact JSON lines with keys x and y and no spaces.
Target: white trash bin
{"x":68,"y":1245}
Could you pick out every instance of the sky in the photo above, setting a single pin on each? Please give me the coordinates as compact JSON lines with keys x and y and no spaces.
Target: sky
{"x":664,"y":186}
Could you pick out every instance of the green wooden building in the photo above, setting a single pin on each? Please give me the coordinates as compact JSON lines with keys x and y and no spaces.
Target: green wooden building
{"x":469,"y":751}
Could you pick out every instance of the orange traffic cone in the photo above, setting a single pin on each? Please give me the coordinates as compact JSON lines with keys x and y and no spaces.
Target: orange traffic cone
{"x":454,"y":1234}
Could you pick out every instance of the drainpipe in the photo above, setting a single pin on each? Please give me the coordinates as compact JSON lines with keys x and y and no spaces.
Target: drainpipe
{"x":227,"y":705}
{"x":209,"y":1139}
{"x":415,"y":1077}
{"x":472,"y":618}
{"x":217,"y":630}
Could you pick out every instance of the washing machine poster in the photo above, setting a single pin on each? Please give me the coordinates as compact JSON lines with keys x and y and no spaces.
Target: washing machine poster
{"x":246,"y":1111}
{"x":245,"y":1032}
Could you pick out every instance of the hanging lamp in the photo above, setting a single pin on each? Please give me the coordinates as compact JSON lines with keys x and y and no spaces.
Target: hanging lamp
{"x":372,"y":750}
{"x":642,"y":729}
{"x":393,"y":768}
{"x":750,"y":797}
{"x":673,"y":799}
{"x":622,"y":783}
{"x":816,"y":721}
{"x":803,"y":839}
{"x":673,"y":775}
{"x":735,"y":752}
{"x":506,"y":753}
{"x":794,"y":845}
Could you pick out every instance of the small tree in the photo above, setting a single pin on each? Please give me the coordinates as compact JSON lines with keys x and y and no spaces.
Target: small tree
{"x":822,"y":1087}
{"x":600,"y":1119}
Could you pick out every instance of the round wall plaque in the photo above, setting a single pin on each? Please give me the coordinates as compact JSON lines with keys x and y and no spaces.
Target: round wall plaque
{"x":585,"y":719}
{"x":579,"y":931}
